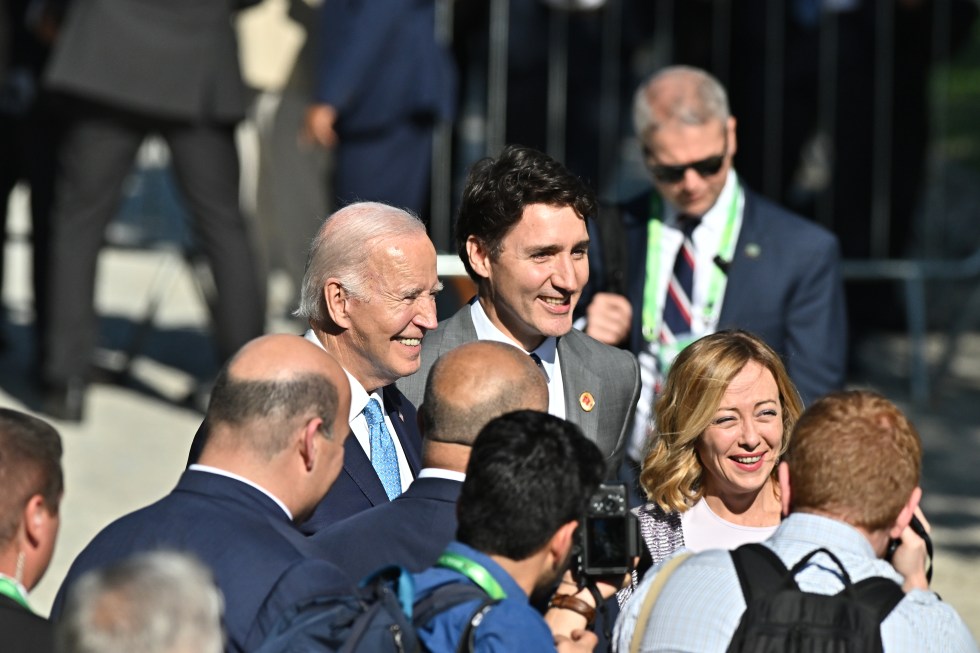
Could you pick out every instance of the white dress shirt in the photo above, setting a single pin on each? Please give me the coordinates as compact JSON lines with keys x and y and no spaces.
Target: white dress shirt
{"x":707,"y":241}
{"x":547,"y":351}
{"x":358,"y":423}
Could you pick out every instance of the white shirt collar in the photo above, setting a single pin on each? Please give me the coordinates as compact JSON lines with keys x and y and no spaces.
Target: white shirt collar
{"x":547,"y":351}
{"x":438,"y":472}
{"x":223,"y":472}
{"x":717,"y":215}
{"x":358,"y":395}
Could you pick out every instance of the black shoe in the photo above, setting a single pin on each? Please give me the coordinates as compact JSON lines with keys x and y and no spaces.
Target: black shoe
{"x":64,"y":401}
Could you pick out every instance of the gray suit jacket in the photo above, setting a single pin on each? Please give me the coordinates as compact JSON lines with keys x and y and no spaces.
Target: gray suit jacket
{"x":610,"y":375}
{"x":164,"y":58}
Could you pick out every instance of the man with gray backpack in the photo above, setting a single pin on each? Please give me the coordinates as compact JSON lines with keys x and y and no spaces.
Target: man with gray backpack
{"x":845,"y":571}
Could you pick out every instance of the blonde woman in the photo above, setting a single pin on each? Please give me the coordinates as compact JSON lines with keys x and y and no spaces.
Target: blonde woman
{"x":723,"y":420}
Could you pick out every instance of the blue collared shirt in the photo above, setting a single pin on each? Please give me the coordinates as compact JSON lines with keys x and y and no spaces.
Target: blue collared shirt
{"x":511,"y":625}
{"x":701,"y":604}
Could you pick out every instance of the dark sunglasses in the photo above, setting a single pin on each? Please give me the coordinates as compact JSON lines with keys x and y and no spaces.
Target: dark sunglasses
{"x":672,"y":174}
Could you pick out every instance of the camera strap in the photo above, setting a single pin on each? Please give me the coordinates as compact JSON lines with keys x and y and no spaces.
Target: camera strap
{"x":474,"y":571}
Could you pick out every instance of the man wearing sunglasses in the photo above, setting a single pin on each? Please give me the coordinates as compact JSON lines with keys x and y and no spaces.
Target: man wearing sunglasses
{"x":699,"y":252}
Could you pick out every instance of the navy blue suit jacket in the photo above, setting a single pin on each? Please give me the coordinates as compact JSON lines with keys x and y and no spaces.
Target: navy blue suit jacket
{"x":358,"y":486}
{"x":412,"y":531}
{"x":379,"y":63}
{"x":784,"y":285}
{"x":260,"y":561}
{"x":391,"y":83}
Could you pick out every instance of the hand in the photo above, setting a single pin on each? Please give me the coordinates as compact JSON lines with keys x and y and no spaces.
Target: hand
{"x":911,"y":557}
{"x":564,"y":621}
{"x":608,"y":317}
{"x":609,"y":585}
{"x":319,"y":125}
{"x":579,"y":640}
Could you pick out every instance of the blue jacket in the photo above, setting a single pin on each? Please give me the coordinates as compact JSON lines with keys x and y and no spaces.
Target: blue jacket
{"x":511,"y":625}
{"x":379,"y":63}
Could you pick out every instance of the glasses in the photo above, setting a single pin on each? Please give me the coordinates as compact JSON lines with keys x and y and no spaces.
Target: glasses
{"x":672,"y":174}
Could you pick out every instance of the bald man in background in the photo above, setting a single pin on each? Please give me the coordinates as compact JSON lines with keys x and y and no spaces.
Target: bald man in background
{"x":466,"y":388}
{"x":277,"y":425}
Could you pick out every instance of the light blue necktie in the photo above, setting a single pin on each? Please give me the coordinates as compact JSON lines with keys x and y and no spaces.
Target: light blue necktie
{"x":384,"y":458}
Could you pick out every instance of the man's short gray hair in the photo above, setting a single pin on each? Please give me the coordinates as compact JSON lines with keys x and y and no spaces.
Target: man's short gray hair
{"x":157,"y":602}
{"x":343,"y":249}
{"x":697,"y":98}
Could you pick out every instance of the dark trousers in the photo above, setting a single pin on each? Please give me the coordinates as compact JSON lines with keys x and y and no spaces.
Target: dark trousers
{"x":28,"y":144}
{"x":96,"y":154}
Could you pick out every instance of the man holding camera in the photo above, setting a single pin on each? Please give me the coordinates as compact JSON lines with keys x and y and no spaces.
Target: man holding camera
{"x":529,"y":481}
{"x":840,"y":501}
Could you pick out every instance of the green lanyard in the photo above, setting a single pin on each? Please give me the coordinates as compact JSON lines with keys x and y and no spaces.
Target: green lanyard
{"x":474,"y":571}
{"x":12,"y":590}
{"x":652,"y":298}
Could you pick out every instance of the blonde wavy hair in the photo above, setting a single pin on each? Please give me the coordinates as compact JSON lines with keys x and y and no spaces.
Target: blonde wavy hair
{"x":672,"y":472}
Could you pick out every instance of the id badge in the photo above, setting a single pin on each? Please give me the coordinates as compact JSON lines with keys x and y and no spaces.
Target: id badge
{"x":670,"y":350}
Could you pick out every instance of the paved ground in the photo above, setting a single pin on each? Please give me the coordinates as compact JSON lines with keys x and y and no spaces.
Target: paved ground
{"x":133,"y":443}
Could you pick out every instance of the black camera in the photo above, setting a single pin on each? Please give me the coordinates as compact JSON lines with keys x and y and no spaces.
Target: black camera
{"x":609,"y":536}
{"x":919,"y":530}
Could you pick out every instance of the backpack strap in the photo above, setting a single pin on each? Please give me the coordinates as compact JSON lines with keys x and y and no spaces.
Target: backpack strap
{"x":760,"y":571}
{"x":467,"y":643}
{"x":448,"y":596}
{"x":879,"y":594}
{"x":613,"y":240}
{"x":651,"y":598}
{"x":398,"y":580}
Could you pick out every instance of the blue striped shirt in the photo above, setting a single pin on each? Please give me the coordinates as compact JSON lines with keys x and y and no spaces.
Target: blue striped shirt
{"x":701,"y":603}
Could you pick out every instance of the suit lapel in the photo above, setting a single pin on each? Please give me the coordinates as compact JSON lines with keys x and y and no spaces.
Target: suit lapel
{"x":741,"y":279}
{"x":358,"y":467}
{"x":578,"y":379}
{"x":636,"y":218}
{"x":403,"y":417}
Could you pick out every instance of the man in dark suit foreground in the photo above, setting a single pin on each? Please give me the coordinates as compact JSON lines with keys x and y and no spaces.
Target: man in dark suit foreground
{"x":699,"y":252}
{"x":521,"y":234}
{"x":369,"y":296}
{"x":466,"y":388}
{"x":277,"y":425}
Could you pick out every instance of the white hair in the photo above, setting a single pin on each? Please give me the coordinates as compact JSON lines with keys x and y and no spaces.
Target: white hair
{"x":695,"y":98}
{"x":344,"y":247}
{"x":156,"y":602}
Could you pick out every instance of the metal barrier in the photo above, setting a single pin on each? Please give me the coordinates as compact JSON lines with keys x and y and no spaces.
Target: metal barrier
{"x":834,"y":100}
{"x":768,"y":53}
